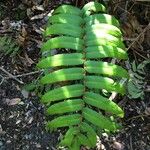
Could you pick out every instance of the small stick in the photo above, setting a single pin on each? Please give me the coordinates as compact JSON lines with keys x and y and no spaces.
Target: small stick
{"x":10,"y":75}
{"x":2,"y":79}
{"x":138,"y":116}
{"x":30,"y":73}
{"x":131,"y":147}
{"x":144,"y":30}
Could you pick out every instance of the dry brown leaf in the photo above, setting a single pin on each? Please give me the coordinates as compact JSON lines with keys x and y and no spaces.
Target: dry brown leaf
{"x":127,"y":30}
{"x":11,"y":102}
{"x":6,"y":23}
{"x":29,"y":60}
{"x":118,"y":145}
{"x":23,"y":37}
{"x":131,"y":27}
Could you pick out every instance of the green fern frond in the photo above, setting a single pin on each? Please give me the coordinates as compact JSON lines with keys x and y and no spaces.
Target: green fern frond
{"x":136,"y":84}
{"x":80,"y":74}
{"x":8,"y":46}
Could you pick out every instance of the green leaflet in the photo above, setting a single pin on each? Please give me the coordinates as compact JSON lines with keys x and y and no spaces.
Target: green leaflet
{"x":98,"y":119}
{"x":64,"y":121}
{"x":103,"y":103}
{"x":76,"y":145}
{"x":62,"y":60}
{"x":64,"y":92}
{"x":65,"y":9}
{"x":63,"y":42}
{"x":101,"y":18}
{"x":98,"y":33}
{"x":105,"y":68}
{"x":98,"y":82}
{"x":68,"y":138}
{"x":91,"y":134}
{"x":66,"y":106}
{"x":104,"y":51}
{"x":66,"y":18}
{"x":93,"y":7}
{"x":63,"y":75}
{"x":83,"y":140}
{"x":104,"y":40}
{"x":110,"y":29}
{"x":64,"y":29}
{"x":103,"y":33}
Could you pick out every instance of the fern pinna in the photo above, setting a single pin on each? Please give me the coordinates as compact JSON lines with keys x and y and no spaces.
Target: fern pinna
{"x":79,"y":74}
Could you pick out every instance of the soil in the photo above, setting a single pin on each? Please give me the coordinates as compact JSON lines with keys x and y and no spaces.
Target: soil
{"x":22,"y":116}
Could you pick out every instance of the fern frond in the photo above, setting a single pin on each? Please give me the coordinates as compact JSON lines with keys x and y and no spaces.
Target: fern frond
{"x":79,"y":76}
{"x":136,"y":84}
{"x":8,"y":46}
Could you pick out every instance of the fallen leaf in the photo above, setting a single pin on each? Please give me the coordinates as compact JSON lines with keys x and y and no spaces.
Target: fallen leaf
{"x":13,"y":101}
{"x":118,"y":146}
{"x":25,"y":93}
{"x":147,"y":111}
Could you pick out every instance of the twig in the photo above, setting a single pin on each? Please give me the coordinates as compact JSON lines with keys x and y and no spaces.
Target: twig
{"x":76,"y":3}
{"x":141,"y":55}
{"x":136,"y":39}
{"x":10,"y":75}
{"x":2,"y":79}
{"x":30,"y":73}
{"x":138,"y":116}
{"x":131,"y":147}
{"x":17,"y":76}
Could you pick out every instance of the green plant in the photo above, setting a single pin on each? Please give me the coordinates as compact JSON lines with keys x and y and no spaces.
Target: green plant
{"x":79,"y":73}
{"x":136,"y":84}
{"x":8,"y":46}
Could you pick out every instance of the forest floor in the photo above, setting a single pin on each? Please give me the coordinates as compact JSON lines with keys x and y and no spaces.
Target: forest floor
{"x":21,"y":114}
